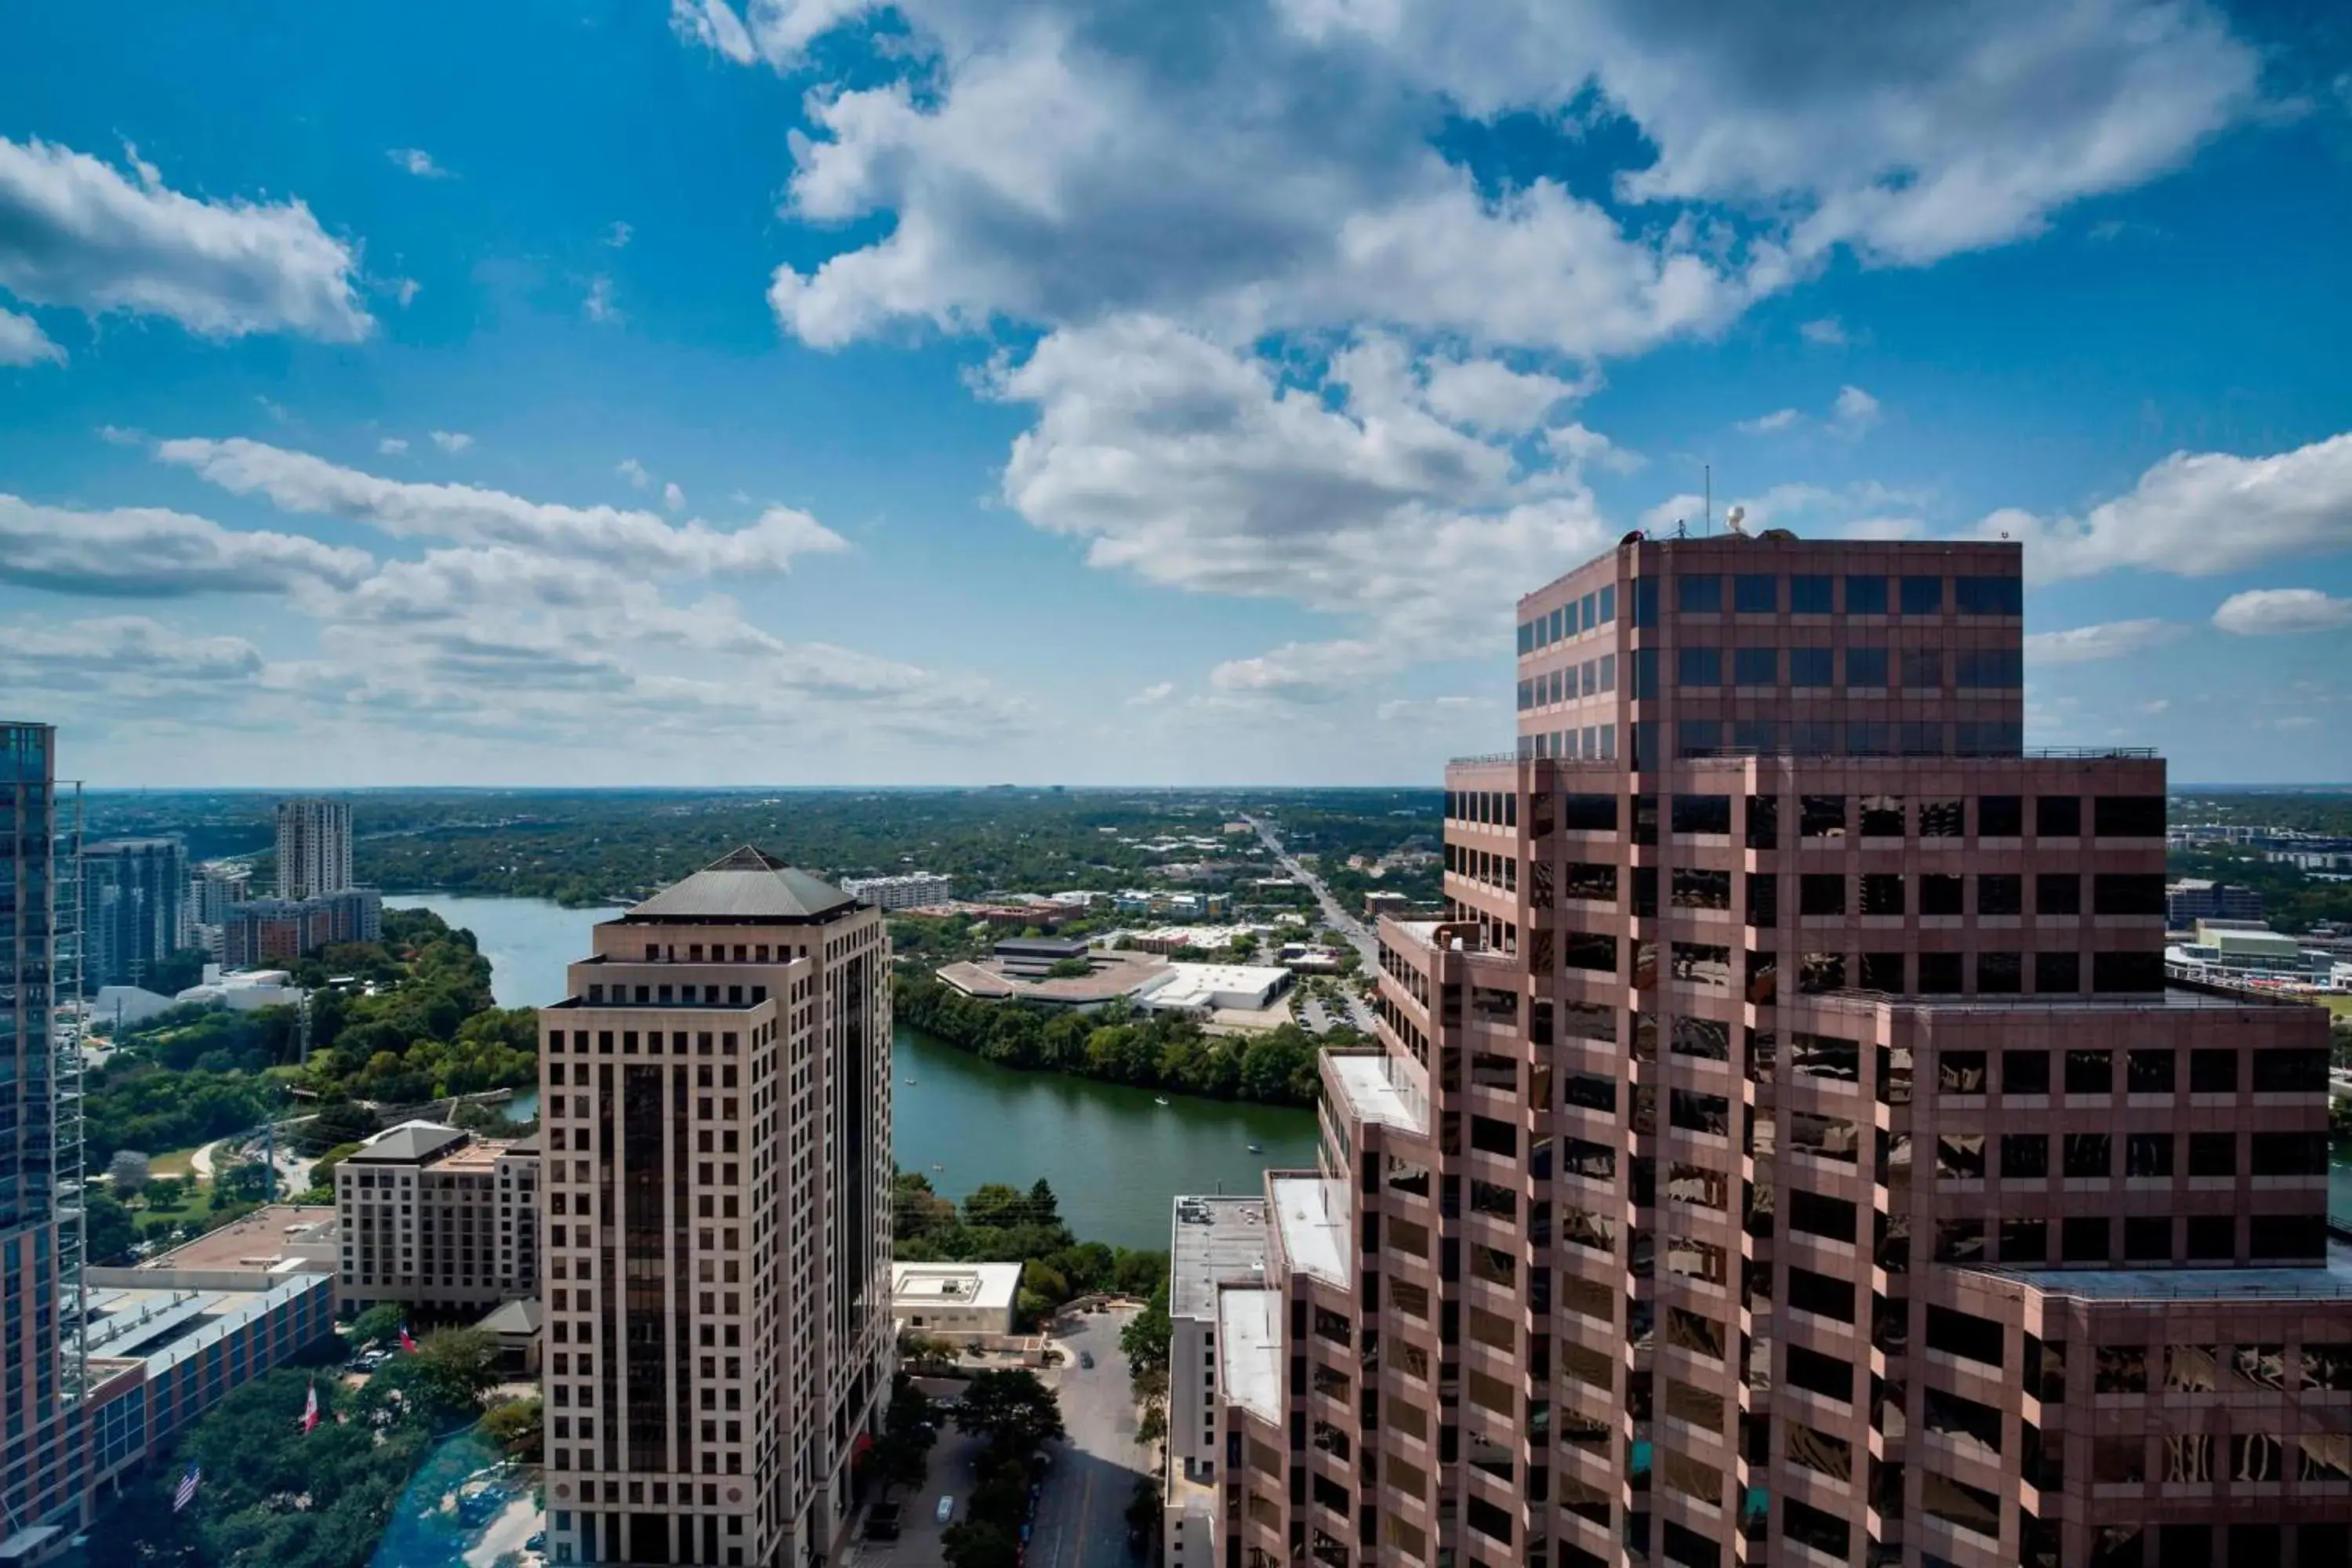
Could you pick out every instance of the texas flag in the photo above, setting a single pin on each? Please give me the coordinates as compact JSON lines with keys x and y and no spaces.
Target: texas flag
{"x":310,"y":1407}
{"x":407,"y":1343}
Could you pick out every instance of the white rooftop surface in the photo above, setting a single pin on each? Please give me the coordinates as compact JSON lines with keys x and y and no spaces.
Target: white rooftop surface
{"x":1364,"y":1077}
{"x":165,"y":1326}
{"x":1314,"y":1227}
{"x":984,"y":1285}
{"x":1216,"y":1241}
{"x":1215,"y":984}
{"x":1249,"y":1351}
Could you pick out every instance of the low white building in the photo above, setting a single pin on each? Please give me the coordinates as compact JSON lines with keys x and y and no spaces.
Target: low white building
{"x":948,"y":1300}
{"x":905,"y":892}
{"x":128,"y":1004}
{"x":244,"y":990}
{"x":1204,"y":988}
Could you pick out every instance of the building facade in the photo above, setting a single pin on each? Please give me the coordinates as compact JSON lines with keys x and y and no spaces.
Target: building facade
{"x":716,"y":1101}
{"x":134,"y":908}
{"x":314,"y":848}
{"x":2194,"y":899}
{"x":41,"y":1467}
{"x":213,"y":888}
{"x":439,"y":1219}
{"x":279,"y":931}
{"x":1788,"y":1150}
{"x":903,"y":892}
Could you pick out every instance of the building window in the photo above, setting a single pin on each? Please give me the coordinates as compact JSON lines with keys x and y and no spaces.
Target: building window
{"x":1700,"y":596}
{"x":1923,"y":595}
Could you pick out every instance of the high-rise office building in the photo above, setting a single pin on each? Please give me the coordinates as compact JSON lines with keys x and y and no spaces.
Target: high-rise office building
{"x":314,"y":848}
{"x":214,"y":886}
{"x":716,"y":1101}
{"x":134,"y":908}
{"x":40,"y":1353}
{"x":1789,"y":1150}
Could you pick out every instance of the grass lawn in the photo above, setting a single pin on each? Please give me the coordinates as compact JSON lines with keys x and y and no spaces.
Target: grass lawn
{"x":2339,"y":1005}
{"x":175,"y":1164}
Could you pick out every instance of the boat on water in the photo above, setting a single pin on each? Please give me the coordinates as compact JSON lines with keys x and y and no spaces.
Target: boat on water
{"x":1159,"y":1099}
{"x":1257,"y":1148}
{"x":909,"y":1083}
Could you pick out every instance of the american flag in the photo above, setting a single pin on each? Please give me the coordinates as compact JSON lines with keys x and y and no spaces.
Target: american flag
{"x":186,"y":1493}
{"x":310,"y":1407}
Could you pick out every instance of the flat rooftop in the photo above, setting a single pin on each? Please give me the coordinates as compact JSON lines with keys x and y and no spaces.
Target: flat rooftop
{"x":986,"y":1286}
{"x":1215,"y":1241}
{"x":1249,"y":1351}
{"x":1314,"y":1227}
{"x":1364,"y":1077}
{"x":265,"y":1239}
{"x":164,"y":1326}
{"x":2330,"y":1282}
{"x":1115,"y":975}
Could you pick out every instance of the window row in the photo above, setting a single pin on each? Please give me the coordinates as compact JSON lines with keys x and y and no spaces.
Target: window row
{"x":2101,"y":1241}
{"x":1574,"y":618}
{"x":2027,"y":1156}
{"x":1823,"y":738}
{"x":1817,"y":593}
{"x":2297,"y":1070}
{"x":1714,"y":968}
{"x":1592,"y":743}
{"x":1815,"y":669}
{"x":1592,"y":678}
{"x":1892,"y":816}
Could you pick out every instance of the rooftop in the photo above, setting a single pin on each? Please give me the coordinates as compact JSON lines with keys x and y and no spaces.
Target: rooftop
{"x":986,"y":1286}
{"x":1314,"y":1226}
{"x":1216,"y":1241}
{"x":745,"y":884}
{"x":1249,"y":1351}
{"x":265,"y":1239}
{"x":521,"y":1316}
{"x":1114,"y":974}
{"x":411,"y":1143}
{"x":2330,"y":1282}
{"x":167,"y":1325}
{"x":1365,"y":1076}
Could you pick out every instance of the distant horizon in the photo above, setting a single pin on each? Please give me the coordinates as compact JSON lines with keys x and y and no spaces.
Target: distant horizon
{"x":288,"y":791}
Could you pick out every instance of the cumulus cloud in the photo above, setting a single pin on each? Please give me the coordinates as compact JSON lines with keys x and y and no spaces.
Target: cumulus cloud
{"x":1854,"y":411}
{"x":597,"y":303}
{"x":1768,"y":423}
{"x":1156,"y":692}
{"x":75,"y":232}
{"x":22,"y":341}
{"x":148,"y":553}
{"x":116,"y":659}
{"x":452,"y":441}
{"x":2282,"y":612}
{"x":392,"y":446}
{"x":673,"y":498}
{"x":642,"y":541}
{"x":2199,"y":515}
{"x":1825,"y":331}
{"x":418,"y":162}
{"x":2112,"y":639}
{"x":618,"y":235}
{"x":405,"y":290}
{"x":634,"y":472}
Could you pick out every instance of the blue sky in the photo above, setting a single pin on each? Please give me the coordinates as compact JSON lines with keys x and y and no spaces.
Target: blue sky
{"x":979,"y":390}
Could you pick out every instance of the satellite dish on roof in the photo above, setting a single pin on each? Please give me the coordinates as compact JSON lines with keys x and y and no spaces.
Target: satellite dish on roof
{"x":1734,"y":518}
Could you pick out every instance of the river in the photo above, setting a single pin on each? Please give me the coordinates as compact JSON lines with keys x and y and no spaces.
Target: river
{"x":1113,"y":1157}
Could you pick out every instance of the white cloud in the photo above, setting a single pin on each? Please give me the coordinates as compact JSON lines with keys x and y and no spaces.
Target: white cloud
{"x":2282,"y":612}
{"x":392,"y":446}
{"x":419,"y":163}
{"x":22,"y":341}
{"x":452,"y":441}
{"x":1768,"y":423}
{"x":2114,"y":639}
{"x":634,"y":472}
{"x":74,"y":232}
{"x":673,"y":497}
{"x":2156,"y":705}
{"x":148,"y":553}
{"x":1159,"y":691}
{"x":1487,"y":395}
{"x":597,"y":303}
{"x":405,"y":290}
{"x":1825,"y":331}
{"x":2199,"y":515}
{"x":714,"y":25}
{"x":1854,"y":411}
{"x":117,"y":658}
{"x":641,"y":541}
{"x":618,"y":235}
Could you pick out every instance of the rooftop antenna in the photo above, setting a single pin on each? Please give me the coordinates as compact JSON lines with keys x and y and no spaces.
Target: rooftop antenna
{"x":1707,"y":525}
{"x":1734,"y":517}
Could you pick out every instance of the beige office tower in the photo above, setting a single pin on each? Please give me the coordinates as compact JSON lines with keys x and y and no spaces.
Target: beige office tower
{"x":1790,"y":1150}
{"x":716,"y":1092}
{"x":314,"y":848}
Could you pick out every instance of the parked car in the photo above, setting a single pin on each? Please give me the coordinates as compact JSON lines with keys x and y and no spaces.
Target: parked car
{"x":1087,"y":1360}
{"x":883,"y":1522}
{"x":946,"y":1507}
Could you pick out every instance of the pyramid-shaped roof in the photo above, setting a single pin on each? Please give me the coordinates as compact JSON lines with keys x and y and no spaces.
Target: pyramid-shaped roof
{"x":745,"y":884}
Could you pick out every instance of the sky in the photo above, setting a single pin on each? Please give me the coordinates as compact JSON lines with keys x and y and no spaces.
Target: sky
{"x":683,"y":392}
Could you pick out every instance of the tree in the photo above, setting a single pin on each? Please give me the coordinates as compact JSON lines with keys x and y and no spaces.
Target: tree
{"x":977,"y":1544}
{"x":108,"y":1234}
{"x":127,"y":1171}
{"x":378,"y":1323}
{"x":247,"y":1182}
{"x":1145,"y":1339}
{"x":456,"y":1367}
{"x":1012,"y":1410}
{"x":516,"y":1426}
{"x":901,"y":1455}
{"x":1153,"y":1428}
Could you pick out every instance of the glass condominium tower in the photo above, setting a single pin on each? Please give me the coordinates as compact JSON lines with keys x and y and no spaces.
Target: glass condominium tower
{"x":1788,"y":1147}
{"x":41,"y":1490}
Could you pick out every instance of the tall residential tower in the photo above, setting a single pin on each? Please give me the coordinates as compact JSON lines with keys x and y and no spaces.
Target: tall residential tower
{"x":716,"y":1092}
{"x":314,"y":848}
{"x":1788,"y":1150}
{"x":40,"y":1307}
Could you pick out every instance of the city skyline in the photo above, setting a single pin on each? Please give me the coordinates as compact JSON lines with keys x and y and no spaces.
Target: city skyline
{"x":792,"y":388}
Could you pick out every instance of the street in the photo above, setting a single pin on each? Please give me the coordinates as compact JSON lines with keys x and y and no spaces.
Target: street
{"x":1359,"y":937}
{"x":1082,"y":1514}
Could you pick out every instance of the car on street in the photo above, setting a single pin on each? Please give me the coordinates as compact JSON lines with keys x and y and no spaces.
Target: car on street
{"x":946,"y":1510}
{"x":1087,"y":1360}
{"x":882,"y":1523}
